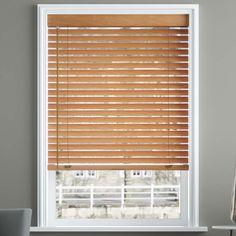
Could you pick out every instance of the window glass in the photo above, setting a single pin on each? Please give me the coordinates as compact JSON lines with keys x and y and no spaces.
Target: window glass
{"x":112,"y":196}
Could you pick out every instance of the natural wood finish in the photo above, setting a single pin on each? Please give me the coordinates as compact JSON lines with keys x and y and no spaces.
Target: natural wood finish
{"x":118,"y":97}
{"x":137,"y":38}
{"x":119,"y":153}
{"x":126,"y":92}
{"x":66,"y":85}
{"x":117,"y":65}
{"x":118,"y":106}
{"x":114,"y":46}
{"x":96,"y":147}
{"x":135,"y":113}
{"x":118,"y":119}
{"x":122,"y":99}
{"x":121,"y":20}
{"x":120,"y":31}
{"x":133,"y":134}
{"x":126,"y":52}
{"x":154,"y":79}
{"x":70,"y":58}
{"x":124,"y":141}
{"x":116,"y":126}
{"x":119,"y":160}
{"x":118,"y":72}
{"x":118,"y":167}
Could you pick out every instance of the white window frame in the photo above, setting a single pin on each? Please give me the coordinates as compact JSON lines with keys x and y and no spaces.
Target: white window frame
{"x":45,"y":179}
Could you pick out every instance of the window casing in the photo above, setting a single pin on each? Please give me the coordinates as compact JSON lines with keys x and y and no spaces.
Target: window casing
{"x":46,"y":180}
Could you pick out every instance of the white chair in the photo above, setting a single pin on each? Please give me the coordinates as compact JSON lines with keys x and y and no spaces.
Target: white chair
{"x":15,"y":222}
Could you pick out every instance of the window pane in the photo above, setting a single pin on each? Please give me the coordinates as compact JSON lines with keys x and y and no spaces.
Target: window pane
{"x":118,"y":195}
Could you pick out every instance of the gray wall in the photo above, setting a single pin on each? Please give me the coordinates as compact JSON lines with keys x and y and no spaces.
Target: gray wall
{"x":217,"y":105}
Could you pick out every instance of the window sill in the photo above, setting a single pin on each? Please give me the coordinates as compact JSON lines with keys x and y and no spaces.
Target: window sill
{"x":120,"y":229}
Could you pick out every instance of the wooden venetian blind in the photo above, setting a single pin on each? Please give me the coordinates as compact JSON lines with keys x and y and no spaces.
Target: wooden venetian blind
{"x":118,"y":92}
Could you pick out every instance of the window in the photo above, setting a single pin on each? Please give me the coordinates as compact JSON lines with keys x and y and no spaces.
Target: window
{"x":118,"y":115}
{"x":80,"y":174}
{"x":136,"y":173}
{"x":147,"y":173}
{"x":85,"y":174}
{"x":91,"y":173}
{"x":141,"y":173}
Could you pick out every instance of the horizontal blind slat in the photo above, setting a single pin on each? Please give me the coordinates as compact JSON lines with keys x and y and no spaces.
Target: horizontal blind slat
{"x":117,"y":106}
{"x":118,"y":65}
{"x":118,"y":119}
{"x":126,"y":92}
{"x":118,"y":113}
{"x":133,"y":134}
{"x":118,"y":72}
{"x":120,"y":160}
{"x":111,"y":99}
{"x":142,"y":140}
{"x":116,"y":126}
{"x":92,"y":38}
{"x":117,"y":31}
{"x":118,"y":45}
{"x":133,"y":79}
{"x":124,"y":52}
{"x":71,"y":58}
{"x":66,"y":85}
{"x":118,"y":153}
{"x":165,"y":167}
{"x":74,"y":147}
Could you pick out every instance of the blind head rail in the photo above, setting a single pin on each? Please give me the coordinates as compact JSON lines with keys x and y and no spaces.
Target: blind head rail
{"x":123,"y":20}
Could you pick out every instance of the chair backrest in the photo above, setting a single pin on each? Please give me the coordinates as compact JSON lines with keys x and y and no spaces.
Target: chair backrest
{"x":15,"y":222}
